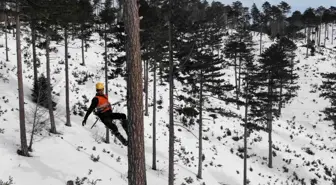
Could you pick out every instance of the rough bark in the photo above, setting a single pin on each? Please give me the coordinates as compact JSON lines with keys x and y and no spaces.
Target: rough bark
{"x":67,"y":95}
{"x":50,"y":103}
{"x":23,"y":137}
{"x":107,"y":139}
{"x":136,"y":150}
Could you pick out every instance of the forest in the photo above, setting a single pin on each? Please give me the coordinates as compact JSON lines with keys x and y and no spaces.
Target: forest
{"x":193,"y":43}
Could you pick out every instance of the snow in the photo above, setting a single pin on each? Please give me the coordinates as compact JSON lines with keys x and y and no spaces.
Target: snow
{"x":66,"y":156}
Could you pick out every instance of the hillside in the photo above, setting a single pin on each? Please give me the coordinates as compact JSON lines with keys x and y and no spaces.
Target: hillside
{"x":304,"y":149}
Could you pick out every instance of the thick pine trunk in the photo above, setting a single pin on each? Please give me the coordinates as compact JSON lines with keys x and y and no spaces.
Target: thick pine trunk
{"x":136,"y":150}
{"x":171,"y":175}
{"x":107,"y":139}
{"x":154,"y":118}
{"x":34,"y":49}
{"x":67,"y":94}
{"x":23,"y":137}
{"x":50,"y":103}
{"x":200,"y":137}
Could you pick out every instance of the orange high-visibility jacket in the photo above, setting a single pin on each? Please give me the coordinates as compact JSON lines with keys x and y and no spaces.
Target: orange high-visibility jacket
{"x":103,"y":104}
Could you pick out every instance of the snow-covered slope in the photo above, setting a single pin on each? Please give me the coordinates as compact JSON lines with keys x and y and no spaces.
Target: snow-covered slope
{"x":68,"y":155}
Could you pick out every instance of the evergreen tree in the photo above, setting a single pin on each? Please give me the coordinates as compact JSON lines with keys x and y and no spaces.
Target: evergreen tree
{"x":274,"y":71}
{"x":237,"y":46}
{"x":84,"y":27}
{"x":328,"y":92}
{"x":39,"y":92}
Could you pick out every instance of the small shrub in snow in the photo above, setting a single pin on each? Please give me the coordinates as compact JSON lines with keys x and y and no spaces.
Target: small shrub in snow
{"x":189,"y":180}
{"x":9,"y":182}
{"x":235,"y":138}
{"x":240,"y":149}
{"x":327,"y":171}
{"x":95,"y":159}
{"x":308,"y":150}
{"x":313,"y":181}
{"x":285,"y":169}
{"x":2,"y":130}
{"x":118,"y":159}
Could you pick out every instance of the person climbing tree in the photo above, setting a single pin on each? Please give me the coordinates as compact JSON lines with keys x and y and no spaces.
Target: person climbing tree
{"x":103,"y":110}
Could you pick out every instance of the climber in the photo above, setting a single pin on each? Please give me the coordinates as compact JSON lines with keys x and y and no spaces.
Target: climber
{"x":103,"y":110}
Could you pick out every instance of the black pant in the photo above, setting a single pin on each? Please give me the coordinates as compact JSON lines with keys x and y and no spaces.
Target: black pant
{"x":107,"y":118}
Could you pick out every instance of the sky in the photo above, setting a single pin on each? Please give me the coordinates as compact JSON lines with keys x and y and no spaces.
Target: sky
{"x":300,"y":5}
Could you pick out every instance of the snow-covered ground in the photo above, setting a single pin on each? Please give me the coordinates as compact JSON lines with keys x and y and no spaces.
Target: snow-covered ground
{"x":68,"y":155}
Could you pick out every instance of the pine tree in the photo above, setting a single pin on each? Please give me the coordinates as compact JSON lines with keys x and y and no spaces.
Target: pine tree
{"x":328,"y":92}
{"x":274,"y":71}
{"x":136,"y":150}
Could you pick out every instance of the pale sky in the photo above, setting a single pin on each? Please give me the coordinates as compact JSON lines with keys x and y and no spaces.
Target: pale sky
{"x":300,"y":5}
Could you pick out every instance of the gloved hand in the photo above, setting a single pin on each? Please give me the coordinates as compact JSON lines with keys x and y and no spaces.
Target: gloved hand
{"x":84,"y":122}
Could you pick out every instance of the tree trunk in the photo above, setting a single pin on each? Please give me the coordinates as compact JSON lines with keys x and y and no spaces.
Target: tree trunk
{"x":245,"y":133}
{"x":280,"y":96}
{"x":307,"y":45}
{"x":320,"y":29}
{"x":332,"y":33}
{"x":236,"y":76}
{"x":239,"y":71}
{"x":292,"y":70}
{"x":269,"y":123}
{"x":146,"y":88}
{"x":136,"y":150}
{"x":6,"y":39}
{"x":34,"y":49}
{"x":50,"y":103}
{"x":154,"y":118}
{"x":30,"y":148}
{"x":200,"y":137}
{"x":23,"y":138}
{"x":171,"y":175}
{"x":67,"y":95}
{"x":260,"y":39}
{"x":82,"y":39}
{"x":325,"y":33}
{"x":107,"y":139}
